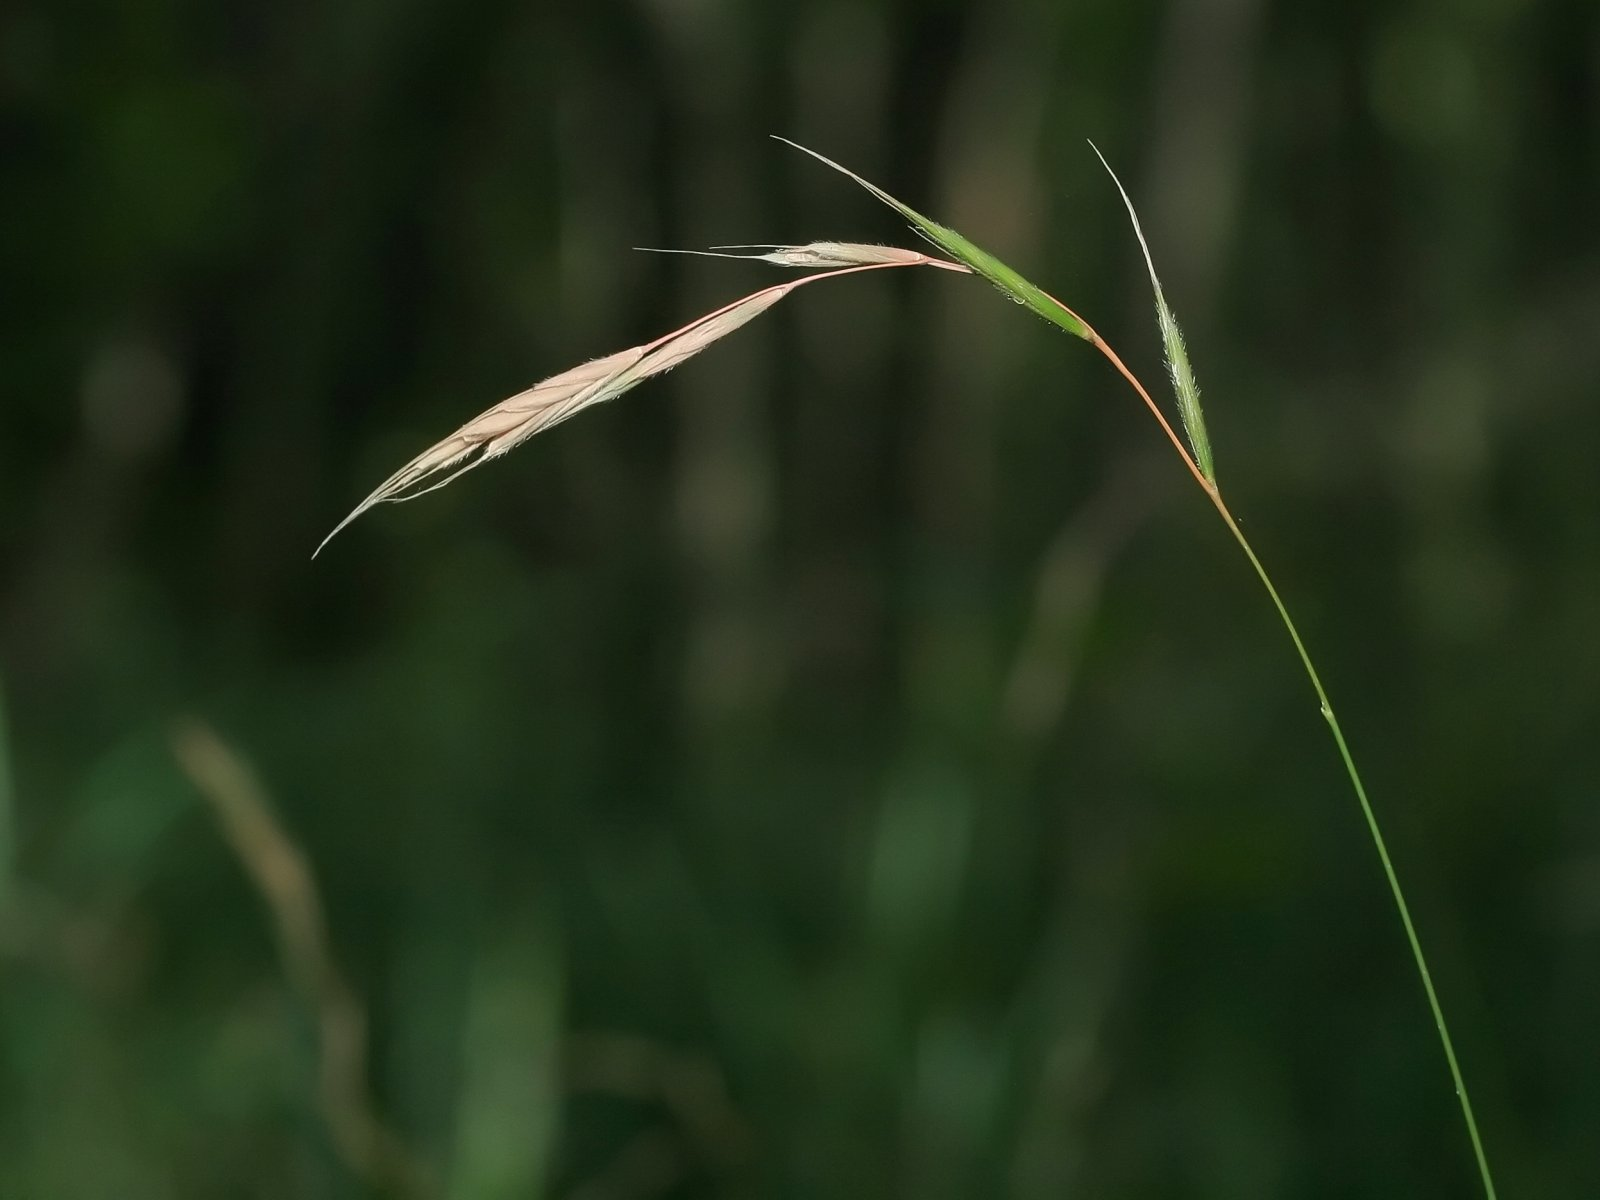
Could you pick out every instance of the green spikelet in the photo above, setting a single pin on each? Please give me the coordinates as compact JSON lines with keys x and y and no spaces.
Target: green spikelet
{"x":1183,"y":384}
{"x":959,"y":248}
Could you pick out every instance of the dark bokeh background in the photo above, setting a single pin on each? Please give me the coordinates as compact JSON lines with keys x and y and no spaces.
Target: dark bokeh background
{"x":858,"y":764}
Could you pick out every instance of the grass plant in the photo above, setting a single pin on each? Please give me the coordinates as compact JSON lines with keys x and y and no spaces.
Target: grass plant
{"x":512,"y":421}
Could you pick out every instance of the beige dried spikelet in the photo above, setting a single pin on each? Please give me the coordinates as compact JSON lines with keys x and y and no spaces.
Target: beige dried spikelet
{"x":514,"y":420}
{"x":821,"y":254}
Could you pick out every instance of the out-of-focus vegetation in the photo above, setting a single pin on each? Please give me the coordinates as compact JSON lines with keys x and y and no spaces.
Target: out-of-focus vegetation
{"x":857,"y":764}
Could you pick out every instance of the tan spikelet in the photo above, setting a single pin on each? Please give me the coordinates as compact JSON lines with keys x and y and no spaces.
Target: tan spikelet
{"x":514,"y":420}
{"x":823,"y":254}
{"x":494,"y":432}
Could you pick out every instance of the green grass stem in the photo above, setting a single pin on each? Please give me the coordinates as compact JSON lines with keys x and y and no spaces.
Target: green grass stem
{"x":1377,"y":840}
{"x":1197,"y":457}
{"x":1213,"y":493}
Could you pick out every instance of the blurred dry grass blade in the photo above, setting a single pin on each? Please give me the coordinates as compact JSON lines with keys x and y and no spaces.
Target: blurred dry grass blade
{"x":279,"y":871}
{"x":650,"y":1166}
{"x":1067,"y":595}
{"x":513,"y":421}
{"x":689,"y":1086}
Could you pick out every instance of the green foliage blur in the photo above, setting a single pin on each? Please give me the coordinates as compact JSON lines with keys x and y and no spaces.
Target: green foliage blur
{"x":858,"y":764}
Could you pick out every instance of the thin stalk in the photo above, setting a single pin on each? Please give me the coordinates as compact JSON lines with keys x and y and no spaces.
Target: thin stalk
{"x":1215,"y":496}
{"x":1377,"y":840}
{"x":1200,"y":466}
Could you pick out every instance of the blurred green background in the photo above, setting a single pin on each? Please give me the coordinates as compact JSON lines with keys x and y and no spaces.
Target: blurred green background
{"x":858,"y":764}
